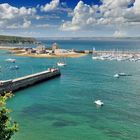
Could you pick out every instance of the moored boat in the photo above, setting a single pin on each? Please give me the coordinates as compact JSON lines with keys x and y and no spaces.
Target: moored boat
{"x":99,"y":102}
{"x":11,"y":60}
{"x":61,"y":64}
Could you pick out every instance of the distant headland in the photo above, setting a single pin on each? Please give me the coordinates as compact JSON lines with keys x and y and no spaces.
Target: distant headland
{"x":16,"y":40}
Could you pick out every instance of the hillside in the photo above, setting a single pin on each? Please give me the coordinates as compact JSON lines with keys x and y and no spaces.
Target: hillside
{"x":17,"y":40}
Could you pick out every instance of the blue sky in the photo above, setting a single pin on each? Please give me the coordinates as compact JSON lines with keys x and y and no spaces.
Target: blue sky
{"x":33,"y":3}
{"x":70,"y":18}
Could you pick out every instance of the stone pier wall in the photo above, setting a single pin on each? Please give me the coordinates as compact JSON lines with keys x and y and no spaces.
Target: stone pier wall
{"x":26,"y":81}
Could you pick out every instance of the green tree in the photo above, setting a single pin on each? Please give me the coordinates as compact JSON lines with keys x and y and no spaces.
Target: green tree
{"x":7,"y":127}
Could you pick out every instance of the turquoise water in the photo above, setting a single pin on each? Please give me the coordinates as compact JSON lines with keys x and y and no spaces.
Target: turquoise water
{"x":63,"y":109}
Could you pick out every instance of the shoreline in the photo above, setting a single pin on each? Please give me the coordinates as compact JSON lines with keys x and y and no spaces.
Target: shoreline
{"x":8,"y":48}
{"x":20,"y":52}
{"x":76,"y":55}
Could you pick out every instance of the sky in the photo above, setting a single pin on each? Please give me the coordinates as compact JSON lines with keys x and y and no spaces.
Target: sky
{"x":70,"y":18}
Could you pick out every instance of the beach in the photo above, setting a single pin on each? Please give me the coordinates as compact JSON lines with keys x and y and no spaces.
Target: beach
{"x":70,"y":55}
{"x":8,"y":48}
{"x":21,"y":52}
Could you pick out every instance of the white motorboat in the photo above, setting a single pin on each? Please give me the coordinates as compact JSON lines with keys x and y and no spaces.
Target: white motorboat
{"x":121,"y":74}
{"x":61,"y":64}
{"x":11,"y":60}
{"x":116,"y":76}
{"x":95,"y":58}
{"x":99,"y":102}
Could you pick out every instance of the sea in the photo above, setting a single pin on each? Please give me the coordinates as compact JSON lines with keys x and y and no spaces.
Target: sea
{"x":63,"y":108}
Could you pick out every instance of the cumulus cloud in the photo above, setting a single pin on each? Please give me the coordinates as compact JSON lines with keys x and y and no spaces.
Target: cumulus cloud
{"x":137,"y":6}
{"x":25,"y":25}
{"x":13,"y":17}
{"x":111,"y":12}
{"x":83,"y":15}
{"x":9,"y":12}
{"x":50,"y":6}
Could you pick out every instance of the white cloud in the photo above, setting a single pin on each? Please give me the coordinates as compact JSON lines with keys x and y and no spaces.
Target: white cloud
{"x":116,"y":3}
{"x":50,"y":6}
{"x":119,"y":34}
{"x":137,"y":6}
{"x":83,"y":15}
{"x":26,"y":24}
{"x":110,"y":13}
{"x":67,"y":26}
{"x":9,"y":12}
{"x":42,"y":25}
{"x":12,"y":17}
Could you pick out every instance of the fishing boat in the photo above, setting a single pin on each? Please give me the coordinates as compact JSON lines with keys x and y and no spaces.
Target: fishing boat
{"x":11,"y":60}
{"x":99,"y":102}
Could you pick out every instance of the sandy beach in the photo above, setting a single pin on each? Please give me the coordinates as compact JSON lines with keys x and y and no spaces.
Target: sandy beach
{"x":71,"y":55}
{"x":7,"y":48}
{"x":21,"y":52}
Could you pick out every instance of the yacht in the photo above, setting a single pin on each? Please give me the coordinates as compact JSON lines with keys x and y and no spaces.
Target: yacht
{"x":11,"y":60}
{"x":61,"y":64}
{"x":99,"y":102}
{"x":95,"y":58}
{"x":121,"y":74}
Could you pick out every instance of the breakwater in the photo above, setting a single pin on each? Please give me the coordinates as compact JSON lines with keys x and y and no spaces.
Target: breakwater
{"x":29,"y":80}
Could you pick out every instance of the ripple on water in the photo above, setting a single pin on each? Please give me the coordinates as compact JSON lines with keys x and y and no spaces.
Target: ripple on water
{"x":37,"y":110}
{"x":64,"y":123}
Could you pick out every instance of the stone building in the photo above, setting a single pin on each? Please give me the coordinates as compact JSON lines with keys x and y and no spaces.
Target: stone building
{"x":40,"y":49}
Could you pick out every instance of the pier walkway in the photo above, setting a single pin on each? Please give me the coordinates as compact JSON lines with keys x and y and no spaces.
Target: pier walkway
{"x":29,"y":80}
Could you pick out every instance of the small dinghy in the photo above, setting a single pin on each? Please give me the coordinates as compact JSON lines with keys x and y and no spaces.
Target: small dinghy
{"x":99,"y":102}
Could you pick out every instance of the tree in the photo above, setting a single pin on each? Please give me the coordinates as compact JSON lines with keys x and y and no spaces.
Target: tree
{"x":7,"y":127}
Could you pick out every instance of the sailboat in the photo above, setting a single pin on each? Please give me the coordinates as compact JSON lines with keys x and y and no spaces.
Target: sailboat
{"x":94,"y":57}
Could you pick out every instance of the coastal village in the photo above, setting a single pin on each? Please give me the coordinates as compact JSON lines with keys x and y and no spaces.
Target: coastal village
{"x":42,"y":51}
{"x":24,"y":47}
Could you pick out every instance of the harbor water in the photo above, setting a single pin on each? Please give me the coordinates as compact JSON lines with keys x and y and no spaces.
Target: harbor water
{"x":64,"y":109}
